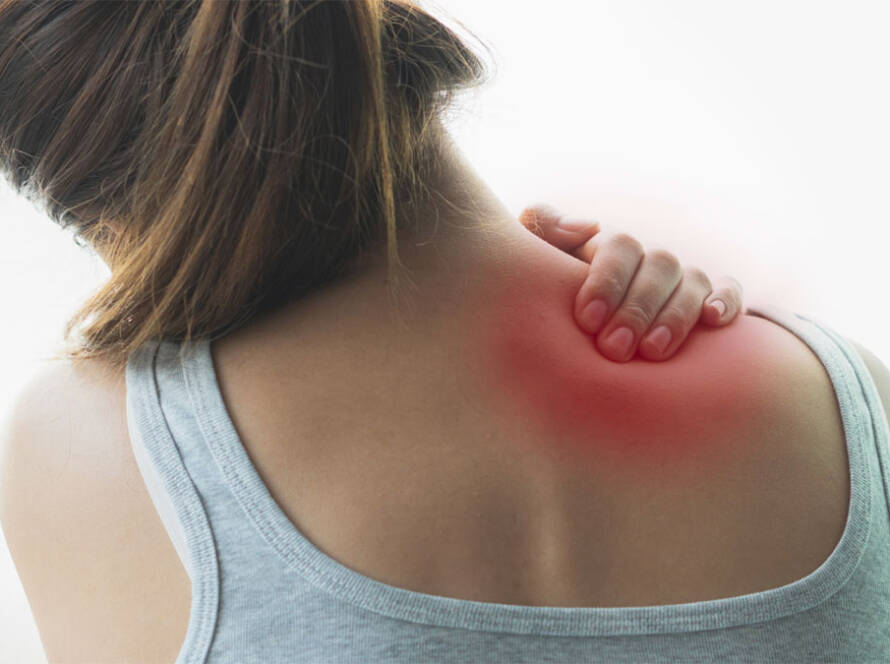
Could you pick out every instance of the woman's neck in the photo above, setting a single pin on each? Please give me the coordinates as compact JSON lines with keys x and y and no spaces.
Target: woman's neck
{"x":472,"y":272}
{"x":461,"y":228}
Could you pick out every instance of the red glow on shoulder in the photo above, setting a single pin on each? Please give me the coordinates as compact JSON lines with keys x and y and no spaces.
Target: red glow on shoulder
{"x":639,"y":414}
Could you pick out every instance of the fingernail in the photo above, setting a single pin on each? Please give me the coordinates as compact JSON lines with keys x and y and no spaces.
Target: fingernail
{"x":593,"y":314}
{"x":719,"y":306}
{"x":660,"y":338}
{"x":620,"y":340}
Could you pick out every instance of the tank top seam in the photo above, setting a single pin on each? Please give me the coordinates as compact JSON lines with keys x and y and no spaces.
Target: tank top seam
{"x":325,"y":573}
{"x":165,"y":454}
{"x":880,"y":437}
{"x":213,"y":429}
{"x":861,"y":469}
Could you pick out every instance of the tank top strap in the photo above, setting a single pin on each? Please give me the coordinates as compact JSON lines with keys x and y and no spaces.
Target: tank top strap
{"x":163,"y":436}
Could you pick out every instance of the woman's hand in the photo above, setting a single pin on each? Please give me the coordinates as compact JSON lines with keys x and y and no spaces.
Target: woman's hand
{"x":632,"y":298}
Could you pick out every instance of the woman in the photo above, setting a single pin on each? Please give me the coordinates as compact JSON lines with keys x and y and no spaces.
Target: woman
{"x":335,"y":404}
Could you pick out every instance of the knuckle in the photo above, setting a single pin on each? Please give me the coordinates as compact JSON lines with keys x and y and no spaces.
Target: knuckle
{"x":675,"y":318}
{"x":626,"y":241}
{"x":609,"y":284}
{"x":730,"y":296}
{"x":697,"y":275}
{"x":735,"y":286}
{"x":612,"y":286}
{"x":635,"y":314}
{"x":664,"y":259}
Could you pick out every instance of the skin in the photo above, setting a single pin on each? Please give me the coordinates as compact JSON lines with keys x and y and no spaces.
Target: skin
{"x":635,"y":418}
{"x":647,"y":293}
{"x":529,"y":358}
{"x":438,"y":400}
{"x":534,"y":347}
{"x":536,"y":358}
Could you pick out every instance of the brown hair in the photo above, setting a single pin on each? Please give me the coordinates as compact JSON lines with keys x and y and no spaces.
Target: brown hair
{"x":227,"y":157}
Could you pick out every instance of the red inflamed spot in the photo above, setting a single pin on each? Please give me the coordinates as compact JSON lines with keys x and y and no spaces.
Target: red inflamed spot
{"x":639,"y":417}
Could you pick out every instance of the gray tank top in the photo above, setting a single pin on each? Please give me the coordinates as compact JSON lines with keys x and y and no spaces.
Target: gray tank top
{"x":263,"y":593}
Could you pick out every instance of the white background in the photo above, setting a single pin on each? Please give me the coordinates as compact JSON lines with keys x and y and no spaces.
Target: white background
{"x":750,"y":138}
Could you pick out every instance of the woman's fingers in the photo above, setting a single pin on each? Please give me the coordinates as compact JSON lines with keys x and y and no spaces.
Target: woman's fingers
{"x":568,"y":235}
{"x":646,"y":300}
{"x":678,"y":316}
{"x":611,"y":271}
{"x":727,"y":291}
{"x":627,"y":287}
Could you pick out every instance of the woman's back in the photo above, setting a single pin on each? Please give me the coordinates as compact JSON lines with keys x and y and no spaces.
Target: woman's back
{"x":340,"y":492}
{"x":402,"y":460}
{"x":472,"y":481}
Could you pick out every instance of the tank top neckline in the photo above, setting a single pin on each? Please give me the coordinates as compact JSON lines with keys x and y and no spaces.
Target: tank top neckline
{"x":348,"y":585}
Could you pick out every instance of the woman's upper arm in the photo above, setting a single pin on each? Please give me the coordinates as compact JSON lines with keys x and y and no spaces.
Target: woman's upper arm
{"x":79,"y":525}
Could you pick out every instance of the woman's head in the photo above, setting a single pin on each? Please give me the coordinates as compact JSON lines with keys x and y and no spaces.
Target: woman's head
{"x":223,"y":157}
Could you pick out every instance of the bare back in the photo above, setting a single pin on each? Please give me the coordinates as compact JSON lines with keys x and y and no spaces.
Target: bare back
{"x":406,"y":462}
{"x":415,"y":461}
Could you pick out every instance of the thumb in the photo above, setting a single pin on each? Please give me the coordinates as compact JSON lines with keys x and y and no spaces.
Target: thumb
{"x":539,"y":218}
{"x":569,"y":235}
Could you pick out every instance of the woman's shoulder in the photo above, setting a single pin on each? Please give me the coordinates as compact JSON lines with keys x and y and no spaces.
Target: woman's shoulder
{"x":732,"y":451}
{"x":69,"y":482}
{"x":536,"y":362}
